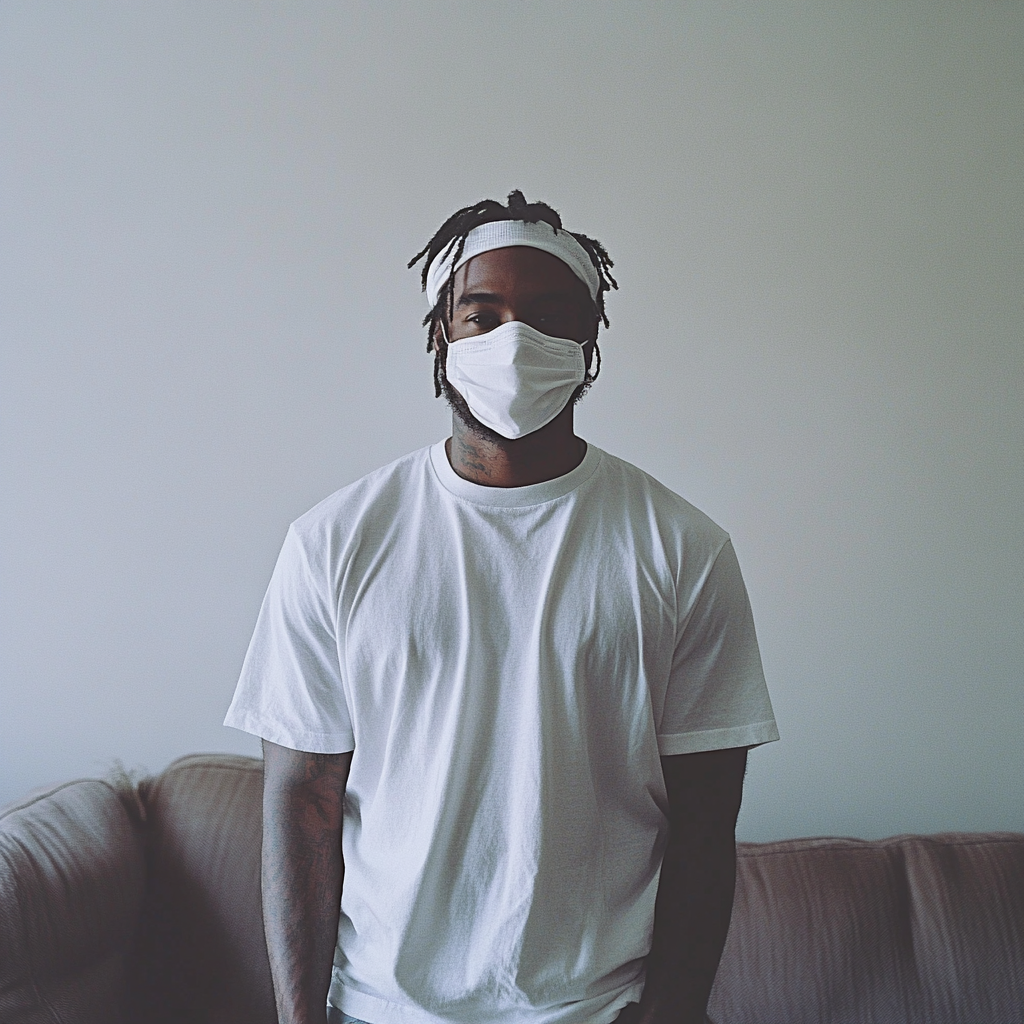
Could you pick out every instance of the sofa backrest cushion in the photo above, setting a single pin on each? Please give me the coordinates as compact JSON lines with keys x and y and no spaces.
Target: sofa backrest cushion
{"x":926,"y":929}
{"x":71,"y":884}
{"x":915,"y":929}
{"x":202,"y":956}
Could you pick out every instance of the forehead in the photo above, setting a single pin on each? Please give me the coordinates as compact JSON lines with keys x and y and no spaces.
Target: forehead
{"x":517,"y":270}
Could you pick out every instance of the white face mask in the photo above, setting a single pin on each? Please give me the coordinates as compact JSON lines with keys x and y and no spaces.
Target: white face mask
{"x":515,"y":379}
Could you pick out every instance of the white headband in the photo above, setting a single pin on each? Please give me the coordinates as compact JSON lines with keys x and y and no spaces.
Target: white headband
{"x":501,"y":234}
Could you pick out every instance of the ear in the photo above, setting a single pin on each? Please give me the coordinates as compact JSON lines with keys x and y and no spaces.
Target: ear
{"x":590,"y":343}
{"x":592,"y":324}
{"x":588,"y":354}
{"x":437,"y":335}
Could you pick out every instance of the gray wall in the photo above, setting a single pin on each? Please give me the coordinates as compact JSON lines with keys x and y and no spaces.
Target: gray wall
{"x":816,"y":211}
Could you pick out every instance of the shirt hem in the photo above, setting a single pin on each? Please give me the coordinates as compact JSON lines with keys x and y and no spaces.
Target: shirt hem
{"x":752,"y":735}
{"x":376,"y":1010}
{"x":309,"y":742}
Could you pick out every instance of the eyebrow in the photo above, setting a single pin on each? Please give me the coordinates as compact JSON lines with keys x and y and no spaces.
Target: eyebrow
{"x":473,"y":298}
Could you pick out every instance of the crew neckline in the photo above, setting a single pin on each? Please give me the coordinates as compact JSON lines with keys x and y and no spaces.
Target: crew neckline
{"x":512,"y":497}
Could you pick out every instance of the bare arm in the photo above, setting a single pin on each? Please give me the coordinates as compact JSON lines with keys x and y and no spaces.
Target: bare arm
{"x":303,"y":796}
{"x":698,"y":878}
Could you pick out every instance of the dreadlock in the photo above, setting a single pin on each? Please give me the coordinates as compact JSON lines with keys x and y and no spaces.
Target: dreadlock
{"x":451,"y":237}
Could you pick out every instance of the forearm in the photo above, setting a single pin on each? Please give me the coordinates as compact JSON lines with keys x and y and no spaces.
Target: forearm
{"x":302,"y":876}
{"x":695,"y":890}
{"x":691,"y":922}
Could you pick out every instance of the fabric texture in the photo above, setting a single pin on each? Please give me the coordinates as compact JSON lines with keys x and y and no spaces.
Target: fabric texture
{"x":504,"y":234}
{"x":514,"y":378}
{"x":906,"y":930}
{"x":71,"y":884}
{"x":201,"y":956}
{"x":909,"y":930}
{"x":498,"y":658}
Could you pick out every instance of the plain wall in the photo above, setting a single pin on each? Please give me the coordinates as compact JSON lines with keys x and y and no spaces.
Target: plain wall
{"x":816,"y":212}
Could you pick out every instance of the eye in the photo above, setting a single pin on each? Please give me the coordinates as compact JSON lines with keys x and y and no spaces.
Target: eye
{"x":484,"y":319}
{"x":559,"y":320}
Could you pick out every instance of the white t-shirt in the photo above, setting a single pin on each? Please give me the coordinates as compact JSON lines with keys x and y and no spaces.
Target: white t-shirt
{"x":508,"y":665}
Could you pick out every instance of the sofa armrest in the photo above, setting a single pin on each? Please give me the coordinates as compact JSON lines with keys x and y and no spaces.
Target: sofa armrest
{"x":71,"y":883}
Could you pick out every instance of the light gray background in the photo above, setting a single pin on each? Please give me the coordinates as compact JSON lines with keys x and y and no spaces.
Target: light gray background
{"x":816,"y":212}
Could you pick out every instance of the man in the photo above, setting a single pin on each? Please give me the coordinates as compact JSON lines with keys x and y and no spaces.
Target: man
{"x":506,"y":686}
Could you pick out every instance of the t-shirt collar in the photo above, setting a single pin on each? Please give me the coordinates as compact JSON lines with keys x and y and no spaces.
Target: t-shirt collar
{"x":511,"y":497}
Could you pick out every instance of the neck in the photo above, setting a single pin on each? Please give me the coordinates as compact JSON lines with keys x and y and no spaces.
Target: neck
{"x":545,"y":454}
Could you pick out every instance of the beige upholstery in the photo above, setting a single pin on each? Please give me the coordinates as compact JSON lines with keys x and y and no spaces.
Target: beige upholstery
{"x":71,"y":885}
{"x":829,"y":931}
{"x":910,"y":929}
{"x":202,"y":955}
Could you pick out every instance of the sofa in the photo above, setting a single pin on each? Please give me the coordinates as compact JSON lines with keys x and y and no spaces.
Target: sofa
{"x":141,"y":903}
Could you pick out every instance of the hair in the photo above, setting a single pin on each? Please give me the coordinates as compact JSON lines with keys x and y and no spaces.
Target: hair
{"x":452,"y":235}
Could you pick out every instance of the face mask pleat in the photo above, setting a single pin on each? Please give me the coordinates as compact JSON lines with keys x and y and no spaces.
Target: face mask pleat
{"x":515,"y":379}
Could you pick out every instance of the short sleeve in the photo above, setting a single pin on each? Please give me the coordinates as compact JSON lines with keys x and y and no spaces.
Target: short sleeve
{"x":291,"y":689}
{"x":717,"y":696}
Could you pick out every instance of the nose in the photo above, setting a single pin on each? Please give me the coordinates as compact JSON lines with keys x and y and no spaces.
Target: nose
{"x":512,"y":313}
